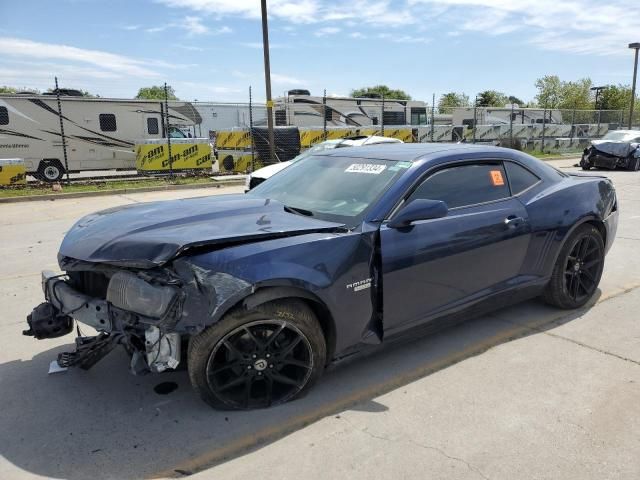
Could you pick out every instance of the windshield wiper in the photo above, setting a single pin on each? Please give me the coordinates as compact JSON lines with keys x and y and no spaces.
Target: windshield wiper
{"x":298,"y":211}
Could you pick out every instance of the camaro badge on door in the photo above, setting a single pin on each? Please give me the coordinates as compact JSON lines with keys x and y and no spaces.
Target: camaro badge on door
{"x":361,"y":285}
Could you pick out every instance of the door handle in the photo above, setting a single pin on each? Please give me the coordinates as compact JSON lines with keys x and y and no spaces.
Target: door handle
{"x":512,"y":221}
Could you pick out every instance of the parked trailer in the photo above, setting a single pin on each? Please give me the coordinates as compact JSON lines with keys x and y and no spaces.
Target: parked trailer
{"x":301,"y":109}
{"x":100,"y":133}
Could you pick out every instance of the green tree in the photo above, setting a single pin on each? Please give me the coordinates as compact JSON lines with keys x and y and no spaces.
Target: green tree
{"x":453,"y":99}
{"x":5,"y":89}
{"x":379,"y":91}
{"x":615,"y":97}
{"x":492,"y":98}
{"x":516,"y":100}
{"x":576,"y":94}
{"x":156,"y":92}
{"x":549,"y":91}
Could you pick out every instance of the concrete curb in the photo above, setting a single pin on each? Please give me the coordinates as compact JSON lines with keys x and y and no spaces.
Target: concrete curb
{"x":61,"y":196}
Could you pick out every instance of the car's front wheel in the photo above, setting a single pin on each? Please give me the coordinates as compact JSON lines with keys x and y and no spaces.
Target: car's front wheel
{"x":258,"y":358}
{"x":577,"y":271}
{"x":585,"y":163}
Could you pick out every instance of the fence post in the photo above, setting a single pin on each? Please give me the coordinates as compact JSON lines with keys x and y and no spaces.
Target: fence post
{"x":324,"y":115}
{"x":433,"y":114}
{"x":544,"y":128}
{"x":253,"y":157}
{"x":511,"y":127}
{"x":64,"y":140}
{"x":382,"y":117}
{"x":166,"y":112}
{"x":475,"y":118}
{"x":573,"y":126}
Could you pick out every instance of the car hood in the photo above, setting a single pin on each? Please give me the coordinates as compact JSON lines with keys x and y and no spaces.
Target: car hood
{"x":614,"y":147}
{"x":146,"y":235}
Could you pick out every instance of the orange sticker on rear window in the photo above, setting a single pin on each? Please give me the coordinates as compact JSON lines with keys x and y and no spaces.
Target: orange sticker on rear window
{"x":496,"y":178}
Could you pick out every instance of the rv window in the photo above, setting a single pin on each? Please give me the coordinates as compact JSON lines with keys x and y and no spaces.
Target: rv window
{"x":4,"y":116}
{"x":152,"y":126}
{"x":107,"y":122}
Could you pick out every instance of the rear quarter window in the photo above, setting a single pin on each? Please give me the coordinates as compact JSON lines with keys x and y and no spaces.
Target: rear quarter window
{"x":4,"y":116}
{"x":520,"y":178}
{"x":465,"y":185}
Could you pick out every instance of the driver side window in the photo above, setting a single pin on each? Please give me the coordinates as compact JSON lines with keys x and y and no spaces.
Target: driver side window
{"x":465,"y":185}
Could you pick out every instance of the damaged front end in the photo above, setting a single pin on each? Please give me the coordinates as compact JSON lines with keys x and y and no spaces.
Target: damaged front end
{"x":136,"y":309}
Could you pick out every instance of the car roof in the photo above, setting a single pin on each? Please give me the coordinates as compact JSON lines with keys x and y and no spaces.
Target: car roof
{"x":407,"y":151}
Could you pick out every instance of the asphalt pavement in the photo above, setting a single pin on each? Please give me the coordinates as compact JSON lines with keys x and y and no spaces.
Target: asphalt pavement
{"x":528,"y":392}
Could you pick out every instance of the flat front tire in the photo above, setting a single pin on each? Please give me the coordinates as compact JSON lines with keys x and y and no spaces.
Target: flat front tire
{"x":258,"y":358}
{"x":578,"y":269}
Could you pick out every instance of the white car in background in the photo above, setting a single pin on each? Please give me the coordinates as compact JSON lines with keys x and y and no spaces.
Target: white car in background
{"x":260,"y":175}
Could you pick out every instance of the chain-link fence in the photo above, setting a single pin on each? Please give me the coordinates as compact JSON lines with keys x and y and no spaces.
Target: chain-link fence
{"x":77,"y":137}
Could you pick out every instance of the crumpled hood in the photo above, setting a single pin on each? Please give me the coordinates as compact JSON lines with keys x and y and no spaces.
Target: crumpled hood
{"x":145,"y":235}
{"x":616,"y":148}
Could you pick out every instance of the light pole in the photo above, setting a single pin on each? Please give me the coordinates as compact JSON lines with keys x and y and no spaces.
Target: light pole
{"x":267,"y":80}
{"x":597,"y":90}
{"x":636,"y":47}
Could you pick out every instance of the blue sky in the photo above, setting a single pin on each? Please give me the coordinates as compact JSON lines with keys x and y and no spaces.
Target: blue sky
{"x":211,"y":50}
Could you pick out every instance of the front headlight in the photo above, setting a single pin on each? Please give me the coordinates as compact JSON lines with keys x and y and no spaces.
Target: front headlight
{"x":129,"y":292}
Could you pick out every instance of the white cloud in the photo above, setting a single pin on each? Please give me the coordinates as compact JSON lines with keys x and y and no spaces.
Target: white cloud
{"x":326,"y":31}
{"x":24,"y":49}
{"x":399,"y":38}
{"x":357,"y":35}
{"x":300,"y":11}
{"x":574,"y":26}
{"x":285,"y":80}
{"x":194,"y":26}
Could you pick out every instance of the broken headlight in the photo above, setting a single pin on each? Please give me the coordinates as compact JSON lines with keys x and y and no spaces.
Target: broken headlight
{"x":129,"y":292}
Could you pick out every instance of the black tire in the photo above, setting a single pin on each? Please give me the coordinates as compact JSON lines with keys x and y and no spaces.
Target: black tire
{"x":258,"y":358}
{"x":585,"y":163}
{"x":577,"y":271}
{"x":633,"y":164}
{"x":50,"y":171}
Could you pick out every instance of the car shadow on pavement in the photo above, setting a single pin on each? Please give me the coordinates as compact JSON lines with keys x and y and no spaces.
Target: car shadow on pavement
{"x":106,"y":423}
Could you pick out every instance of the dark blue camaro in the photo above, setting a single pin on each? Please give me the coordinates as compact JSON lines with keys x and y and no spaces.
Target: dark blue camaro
{"x":338,"y":251}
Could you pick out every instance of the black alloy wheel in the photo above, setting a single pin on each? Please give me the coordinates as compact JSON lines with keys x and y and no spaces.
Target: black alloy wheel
{"x":260,"y":364}
{"x":577,"y":271}
{"x":582,"y":268}
{"x":257,"y":358}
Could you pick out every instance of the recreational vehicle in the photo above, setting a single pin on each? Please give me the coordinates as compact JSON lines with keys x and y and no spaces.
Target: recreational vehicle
{"x":100,"y":133}
{"x":301,"y":109}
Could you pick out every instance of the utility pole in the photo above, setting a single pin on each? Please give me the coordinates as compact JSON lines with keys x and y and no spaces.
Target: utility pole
{"x":267,"y":80}
{"x":636,"y":47}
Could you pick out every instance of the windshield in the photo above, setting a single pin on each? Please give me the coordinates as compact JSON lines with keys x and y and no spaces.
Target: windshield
{"x":331,"y":188}
{"x":316,"y":148}
{"x":620,"y":136}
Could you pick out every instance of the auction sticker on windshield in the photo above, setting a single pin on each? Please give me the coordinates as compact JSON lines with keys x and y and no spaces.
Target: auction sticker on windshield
{"x":366,"y":168}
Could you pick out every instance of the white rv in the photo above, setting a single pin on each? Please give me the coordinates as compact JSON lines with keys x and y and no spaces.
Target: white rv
{"x":100,"y":133}
{"x":304,"y":110}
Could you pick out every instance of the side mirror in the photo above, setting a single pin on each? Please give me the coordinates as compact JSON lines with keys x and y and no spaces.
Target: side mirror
{"x":420,"y":209}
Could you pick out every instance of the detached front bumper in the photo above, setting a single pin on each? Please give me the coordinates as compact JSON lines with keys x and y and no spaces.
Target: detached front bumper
{"x":147,"y":338}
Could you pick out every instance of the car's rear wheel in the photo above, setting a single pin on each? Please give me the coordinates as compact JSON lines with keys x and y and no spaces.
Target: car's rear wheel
{"x":577,"y":271}
{"x":258,"y":358}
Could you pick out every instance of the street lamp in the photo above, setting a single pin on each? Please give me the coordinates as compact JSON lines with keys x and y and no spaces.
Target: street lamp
{"x":597,"y":90}
{"x":636,"y":47}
